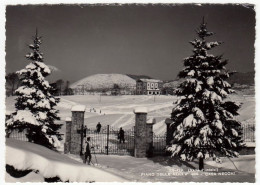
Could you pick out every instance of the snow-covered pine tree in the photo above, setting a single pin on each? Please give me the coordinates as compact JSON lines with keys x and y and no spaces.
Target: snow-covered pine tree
{"x":35,"y":103}
{"x":203,"y":122}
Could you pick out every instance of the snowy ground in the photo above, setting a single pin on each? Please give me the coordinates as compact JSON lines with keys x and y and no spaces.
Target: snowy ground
{"x":117,"y":111}
{"x":165,"y":169}
{"x":24,"y":155}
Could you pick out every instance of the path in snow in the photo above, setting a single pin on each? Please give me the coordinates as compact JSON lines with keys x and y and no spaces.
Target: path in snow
{"x":119,"y":121}
{"x":129,"y":123}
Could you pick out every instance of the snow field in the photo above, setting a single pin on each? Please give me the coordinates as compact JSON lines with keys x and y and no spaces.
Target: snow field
{"x":245,"y":163}
{"x":118,"y":110}
{"x":25,"y":155}
{"x":165,"y":169}
{"x":29,"y":155}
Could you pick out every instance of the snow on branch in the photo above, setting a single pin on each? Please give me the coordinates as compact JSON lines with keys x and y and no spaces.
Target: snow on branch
{"x":211,"y":45}
{"x":43,"y":66}
{"x":23,"y":116}
{"x":198,"y":112}
{"x":26,"y":90}
{"x":43,"y":104}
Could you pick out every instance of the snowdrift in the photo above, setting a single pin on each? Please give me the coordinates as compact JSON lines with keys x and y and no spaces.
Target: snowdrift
{"x":25,"y":155}
{"x":245,"y":163}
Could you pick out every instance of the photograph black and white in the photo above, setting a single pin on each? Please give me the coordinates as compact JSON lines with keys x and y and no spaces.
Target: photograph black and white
{"x":130,"y":93}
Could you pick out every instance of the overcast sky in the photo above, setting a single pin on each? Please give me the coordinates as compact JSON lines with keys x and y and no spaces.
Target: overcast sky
{"x":149,"y":40}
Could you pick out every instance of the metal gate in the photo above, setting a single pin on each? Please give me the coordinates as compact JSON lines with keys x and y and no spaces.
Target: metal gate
{"x":107,"y":141}
{"x":159,"y":144}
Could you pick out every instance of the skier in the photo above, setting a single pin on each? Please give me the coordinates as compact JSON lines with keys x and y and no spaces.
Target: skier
{"x":87,"y":151}
{"x":121,"y":135}
{"x":98,"y":127}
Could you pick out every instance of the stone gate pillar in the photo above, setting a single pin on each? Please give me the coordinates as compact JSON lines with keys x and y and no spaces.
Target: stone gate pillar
{"x":140,"y":132}
{"x":149,"y":137}
{"x":169,"y":131}
{"x":77,"y":123}
{"x":68,"y":136}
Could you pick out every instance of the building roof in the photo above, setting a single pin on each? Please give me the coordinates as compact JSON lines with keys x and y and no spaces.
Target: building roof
{"x":149,"y":80}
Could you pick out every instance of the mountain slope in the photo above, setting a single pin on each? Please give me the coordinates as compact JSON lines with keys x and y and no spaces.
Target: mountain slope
{"x":100,"y":81}
{"x":242,"y":78}
{"x":136,"y":77}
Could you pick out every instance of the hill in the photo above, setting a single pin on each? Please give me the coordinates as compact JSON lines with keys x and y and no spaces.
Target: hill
{"x":136,"y":77}
{"x":104,"y":81}
{"x":242,"y":78}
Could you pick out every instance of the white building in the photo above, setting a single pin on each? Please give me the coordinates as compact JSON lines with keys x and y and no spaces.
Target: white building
{"x":149,"y":87}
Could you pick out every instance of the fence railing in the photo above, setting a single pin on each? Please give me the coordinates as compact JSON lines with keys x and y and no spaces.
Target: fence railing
{"x":248,"y":132}
{"x":108,"y":142}
{"x":18,"y":135}
{"x":159,"y":144}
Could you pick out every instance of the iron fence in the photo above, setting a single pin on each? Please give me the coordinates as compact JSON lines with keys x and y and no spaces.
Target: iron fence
{"x":159,"y":144}
{"x":18,"y":135}
{"x":107,"y":141}
{"x":248,"y":132}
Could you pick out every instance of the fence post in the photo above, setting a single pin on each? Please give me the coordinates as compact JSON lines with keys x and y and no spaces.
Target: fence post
{"x":81,"y":138}
{"x":140,"y":132}
{"x":107,"y":137}
{"x":149,"y":137}
{"x":169,"y":131}
{"x":7,"y":117}
{"x":78,"y":112}
{"x":68,"y":136}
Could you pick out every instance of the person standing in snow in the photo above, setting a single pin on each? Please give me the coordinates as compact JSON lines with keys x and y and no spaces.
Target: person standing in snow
{"x":98,"y":127}
{"x":121,"y":135}
{"x":87,"y":151}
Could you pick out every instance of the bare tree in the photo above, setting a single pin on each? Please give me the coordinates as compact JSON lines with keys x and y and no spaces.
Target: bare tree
{"x":68,"y":90}
{"x":59,"y":84}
